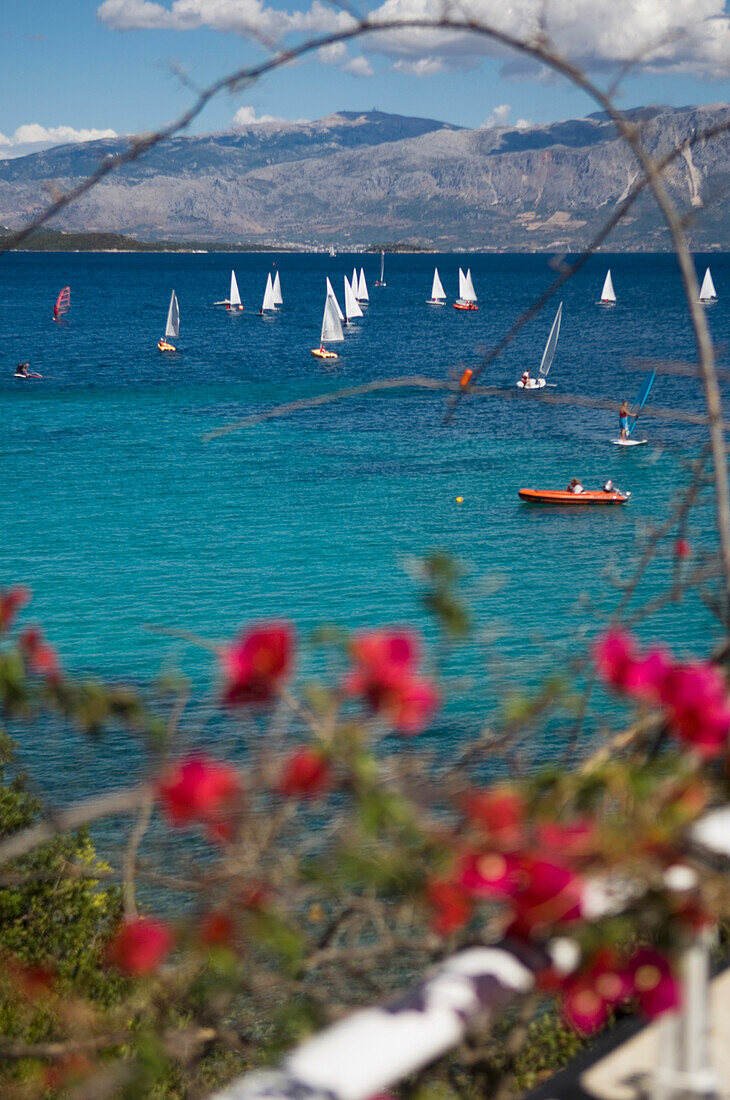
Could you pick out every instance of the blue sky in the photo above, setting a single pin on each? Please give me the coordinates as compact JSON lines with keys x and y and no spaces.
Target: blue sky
{"x":66,"y":64}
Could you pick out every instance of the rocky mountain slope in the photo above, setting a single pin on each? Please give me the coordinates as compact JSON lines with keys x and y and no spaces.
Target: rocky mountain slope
{"x":357,"y":180}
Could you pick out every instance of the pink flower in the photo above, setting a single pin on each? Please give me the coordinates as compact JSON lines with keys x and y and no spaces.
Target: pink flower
{"x":573,"y":839}
{"x":654,"y":984}
{"x":200,"y":790}
{"x":682,"y":548}
{"x":696,"y":696}
{"x":614,"y":655}
{"x":306,"y":773}
{"x":451,"y":904}
{"x":11,"y":601}
{"x":500,"y":812}
{"x":647,"y":676}
{"x":587,"y":997}
{"x":256,"y":666}
{"x":139,"y":945}
{"x":549,"y":894}
{"x":492,"y":874}
{"x":384,"y":674}
{"x":583,"y":1006}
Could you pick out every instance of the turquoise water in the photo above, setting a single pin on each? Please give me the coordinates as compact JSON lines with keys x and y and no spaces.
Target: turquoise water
{"x":118,"y":515}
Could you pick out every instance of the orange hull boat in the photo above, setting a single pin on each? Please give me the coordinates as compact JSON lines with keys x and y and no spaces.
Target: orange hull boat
{"x":562,"y":496}
{"x":465,"y":305}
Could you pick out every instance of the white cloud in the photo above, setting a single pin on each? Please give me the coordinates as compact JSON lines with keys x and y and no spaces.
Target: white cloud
{"x":246,"y":116}
{"x":422,"y":66}
{"x":689,"y":36}
{"x":500,"y":117}
{"x":34,"y":138}
{"x":333,"y":53}
{"x":359,"y":66}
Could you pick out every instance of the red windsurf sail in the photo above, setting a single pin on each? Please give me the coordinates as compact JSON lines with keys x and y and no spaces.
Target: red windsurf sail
{"x":62,"y":302}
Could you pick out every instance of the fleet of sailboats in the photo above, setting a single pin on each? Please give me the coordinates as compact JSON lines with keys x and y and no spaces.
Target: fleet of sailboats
{"x":608,"y":295}
{"x":172,"y":326}
{"x":708,"y":294}
{"x":438,"y":294}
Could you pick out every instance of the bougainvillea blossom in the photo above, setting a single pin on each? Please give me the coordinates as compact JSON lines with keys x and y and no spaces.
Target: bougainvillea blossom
{"x":500,"y":812}
{"x":257,"y":665}
{"x":140,"y":945}
{"x":306,"y":773}
{"x":201,"y":790}
{"x":11,"y":601}
{"x":654,"y":984}
{"x":41,"y":657}
{"x":384,"y":674}
{"x":451,"y":904}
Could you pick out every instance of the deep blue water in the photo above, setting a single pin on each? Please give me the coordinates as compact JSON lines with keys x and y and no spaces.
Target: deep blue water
{"x":118,"y":515}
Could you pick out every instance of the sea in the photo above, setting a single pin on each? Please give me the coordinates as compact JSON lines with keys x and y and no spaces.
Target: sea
{"x":129,"y":526}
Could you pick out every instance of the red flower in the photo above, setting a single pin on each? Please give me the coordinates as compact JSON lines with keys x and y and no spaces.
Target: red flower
{"x":139,"y":945}
{"x":682,"y":548}
{"x":583,"y":1006}
{"x":216,"y":929}
{"x":548,"y":894}
{"x":11,"y":601}
{"x":574,"y":839}
{"x":500,"y":812}
{"x":306,"y":773}
{"x":256,"y":666}
{"x":451,"y":903}
{"x":384,"y":674}
{"x":654,"y":985}
{"x":491,"y":874}
{"x":41,"y":657}
{"x":201,"y":790}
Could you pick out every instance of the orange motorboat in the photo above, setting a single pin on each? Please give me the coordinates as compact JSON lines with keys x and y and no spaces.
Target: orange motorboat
{"x":565,"y":496}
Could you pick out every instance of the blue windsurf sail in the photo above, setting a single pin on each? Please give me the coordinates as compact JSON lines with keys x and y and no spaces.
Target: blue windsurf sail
{"x":640,"y":400}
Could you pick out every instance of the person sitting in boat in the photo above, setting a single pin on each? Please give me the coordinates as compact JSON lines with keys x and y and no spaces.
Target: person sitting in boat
{"x":623,"y":419}
{"x":526,"y":379}
{"x":21,"y":371}
{"x":574,"y":486}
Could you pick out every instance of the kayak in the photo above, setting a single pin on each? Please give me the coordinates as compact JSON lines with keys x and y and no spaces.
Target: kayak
{"x":562,"y":496}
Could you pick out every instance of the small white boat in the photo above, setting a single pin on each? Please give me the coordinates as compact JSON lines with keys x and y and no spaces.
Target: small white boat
{"x":352,"y":306}
{"x":438,"y":295}
{"x":276,"y":289}
{"x":331,"y":330}
{"x":608,"y":295}
{"x":527,"y":383}
{"x":172,"y":326}
{"x":268,"y":302}
{"x":361,"y":290}
{"x":332,"y":252}
{"x":233,"y":301}
{"x":381,"y":280}
{"x":708,"y":294}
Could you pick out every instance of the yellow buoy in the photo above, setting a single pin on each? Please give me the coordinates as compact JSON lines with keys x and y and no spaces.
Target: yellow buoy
{"x":459,"y":500}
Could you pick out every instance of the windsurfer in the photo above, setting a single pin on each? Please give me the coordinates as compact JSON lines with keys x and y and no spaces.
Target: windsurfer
{"x":56,"y":313}
{"x":623,"y":419}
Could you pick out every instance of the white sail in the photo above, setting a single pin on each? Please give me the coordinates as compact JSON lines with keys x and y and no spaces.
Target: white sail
{"x":708,"y":292}
{"x":353,"y":280}
{"x":278,"y":300}
{"x":552,"y":342}
{"x":607,"y":294}
{"x":331,"y":294}
{"x":437,"y":290}
{"x":469,"y":294}
{"x":331,"y":327}
{"x":462,"y":285}
{"x":362,"y":290}
{"x":234,"y":297}
{"x":352,"y":309}
{"x":268,"y":302}
{"x":172,"y":328}
{"x":382,"y":267}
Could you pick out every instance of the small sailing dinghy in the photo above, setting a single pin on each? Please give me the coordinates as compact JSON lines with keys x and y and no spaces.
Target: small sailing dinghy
{"x":352,"y":306}
{"x":467,"y":295}
{"x":63,"y":303}
{"x":268,"y":302}
{"x":381,"y":280}
{"x":634,"y":415}
{"x":527,"y":383}
{"x":438,"y":295}
{"x":331,"y":294}
{"x":608,"y":295}
{"x":708,"y":294}
{"x":331,"y":330}
{"x":332,"y":252}
{"x":276,"y":291}
{"x":172,"y":326}
{"x":361,"y":290}
{"x":233,"y":301}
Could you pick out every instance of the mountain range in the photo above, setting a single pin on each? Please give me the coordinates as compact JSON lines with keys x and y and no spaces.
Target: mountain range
{"x":360,"y":180}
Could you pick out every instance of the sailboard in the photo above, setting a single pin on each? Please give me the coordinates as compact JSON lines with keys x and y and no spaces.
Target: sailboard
{"x":361,"y":291}
{"x":547,"y":356}
{"x":438,"y":295}
{"x":635,"y":413}
{"x":352,"y":306}
{"x":708,"y":294}
{"x":63,"y":303}
{"x":608,"y":294}
{"x":276,"y":290}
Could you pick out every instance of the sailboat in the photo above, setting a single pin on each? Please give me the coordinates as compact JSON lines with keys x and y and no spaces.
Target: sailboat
{"x":172,"y":326}
{"x":361,"y":291}
{"x":608,"y":295}
{"x":233,"y":301}
{"x":278,"y":300}
{"x":331,"y":330}
{"x":527,"y":383}
{"x":438,"y":295}
{"x":268,"y":302}
{"x":467,"y":295}
{"x":63,"y":303}
{"x":332,"y":252}
{"x":634,"y":415}
{"x":331,"y":294}
{"x":381,"y":280}
{"x":352,"y":306}
{"x":708,"y":294}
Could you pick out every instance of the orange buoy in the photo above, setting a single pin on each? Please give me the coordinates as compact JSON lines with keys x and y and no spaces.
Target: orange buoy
{"x":466,"y":378}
